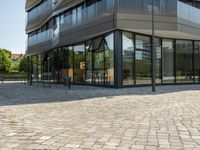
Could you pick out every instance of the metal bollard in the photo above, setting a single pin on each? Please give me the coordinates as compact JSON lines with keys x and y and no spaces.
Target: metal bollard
{"x":67,"y":80}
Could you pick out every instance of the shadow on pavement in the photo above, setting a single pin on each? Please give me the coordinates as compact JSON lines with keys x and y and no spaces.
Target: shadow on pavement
{"x":20,"y":94}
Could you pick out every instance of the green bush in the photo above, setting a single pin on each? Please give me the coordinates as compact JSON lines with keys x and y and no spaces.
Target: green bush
{"x":24,"y":64}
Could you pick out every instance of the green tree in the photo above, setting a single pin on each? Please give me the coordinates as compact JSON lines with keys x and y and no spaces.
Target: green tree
{"x":15,"y":66}
{"x":5,"y":61}
{"x":24,"y":64}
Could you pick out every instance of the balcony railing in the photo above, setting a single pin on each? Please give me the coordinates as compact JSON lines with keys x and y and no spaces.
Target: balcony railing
{"x":188,"y":12}
{"x":41,"y":37}
{"x":76,"y":17}
{"x":81,"y":15}
{"x":56,"y":3}
{"x":144,"y":7}
{"x":40,"y":9}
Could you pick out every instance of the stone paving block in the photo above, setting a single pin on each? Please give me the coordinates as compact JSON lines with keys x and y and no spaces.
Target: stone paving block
{"x":98,"y":118}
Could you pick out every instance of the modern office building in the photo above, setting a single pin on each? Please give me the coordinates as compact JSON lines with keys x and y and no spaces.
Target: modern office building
{"x":109,"y":42}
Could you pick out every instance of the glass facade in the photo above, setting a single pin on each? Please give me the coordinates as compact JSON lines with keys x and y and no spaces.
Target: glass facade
{"x":90,"y":62}
{"x":109,"y":59}
{"x":98,"y":65}
{"x":184,"y":63}
{"x":70,"y":59}
{"x":128,"y":54}
{"x":61,"y":60}
{"x":143,"y":59}
{"x":39,"y":68}
{"x":46,"y":5}
{"x":162,"y":7}
{"x":158,"y":62}
{"x":35,"y":68}
{"x":197,"y":61}
{"x":168,"y":75}
{"x":93,"y":61}
{"x":102,"y":49}
{"x":78,"y":15}
{"x":79,"y":63}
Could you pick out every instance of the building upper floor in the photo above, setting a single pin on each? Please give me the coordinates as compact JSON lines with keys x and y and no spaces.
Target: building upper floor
{"x":53,"y":22}
{"x":41,"y":11}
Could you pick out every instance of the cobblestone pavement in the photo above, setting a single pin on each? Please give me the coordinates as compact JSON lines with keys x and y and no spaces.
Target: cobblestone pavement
{"x":99,"y":118}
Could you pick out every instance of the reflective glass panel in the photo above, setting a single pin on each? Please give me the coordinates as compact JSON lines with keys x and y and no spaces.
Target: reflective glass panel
{"x":143,"y":60}
{"x":158,"y":59}
{"x":184,"y":65}
{"x":70,"y":63}
{"x":88,"y":62}
{"x":109,"y":59}
{"x":128,"y":58}
{"x":197,"y":61}
{"x":143,"y":42}
{"x":79,"y":63}
{"x":168,"y":61}
{"x":98,"y":63}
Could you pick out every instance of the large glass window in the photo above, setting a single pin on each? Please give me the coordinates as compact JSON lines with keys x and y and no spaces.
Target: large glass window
{"x":79,"y":14}
{"x":74,"y":14}
{"x":35,"y":68}
{"x":70,"y":63}
{"x":79,"y":63}
{"x":98,"y":70}
{"x":44,"y":65}
{"x":184,"y":65}
{"x":68,"y":18}
{"x":158,"y":59}
{"x":100,"y":60}
{"x":101,"y":7}
{"x":147,"y":7}
{"x":128,"y":58}
{"x":57,"y":65}
{"x":62,"y":66}
{"x":62,"y":17}
{"x":197,"y":61}
{"x":39,"y":66}
{"x":88,"y":62}
{"x":161,"y":7}
{"x":50,"y":67}
{"x":143,"y":60}
{"x":109,"y":59}
{"x":143,"y":42}
{"x":109,"y":4}
{"x":91,"y":9}
{"x":168,"y":61}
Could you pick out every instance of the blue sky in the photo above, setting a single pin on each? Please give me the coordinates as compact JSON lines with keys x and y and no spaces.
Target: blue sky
{"x":12,"y":25}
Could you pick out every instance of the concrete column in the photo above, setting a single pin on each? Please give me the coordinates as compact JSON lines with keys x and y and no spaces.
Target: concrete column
{"x":118,"y":59}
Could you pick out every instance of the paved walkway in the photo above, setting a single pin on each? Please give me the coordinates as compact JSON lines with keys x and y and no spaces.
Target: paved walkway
{"x":99,"y":118}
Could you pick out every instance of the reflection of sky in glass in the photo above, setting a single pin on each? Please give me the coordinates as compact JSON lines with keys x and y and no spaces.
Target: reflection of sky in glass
{"x":168,"y":45}
{"x":109,"y":42}
{"x":127,"y":44}
{"x":79,"y":49}
{"x":143,"y":42}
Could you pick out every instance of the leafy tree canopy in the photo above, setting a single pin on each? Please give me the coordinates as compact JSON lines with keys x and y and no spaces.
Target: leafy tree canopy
{"x":24,"y":64}
{"x":5,"y":61}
